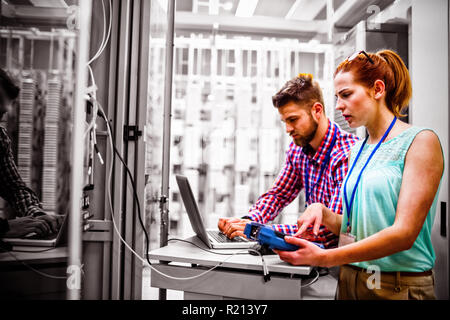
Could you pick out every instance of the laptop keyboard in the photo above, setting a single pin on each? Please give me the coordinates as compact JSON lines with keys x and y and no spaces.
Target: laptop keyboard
{"x":35,"y":236}
{"x":220,"y":237}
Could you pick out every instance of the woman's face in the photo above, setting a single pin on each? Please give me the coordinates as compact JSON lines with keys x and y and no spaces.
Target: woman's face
{"x":353,"y":100}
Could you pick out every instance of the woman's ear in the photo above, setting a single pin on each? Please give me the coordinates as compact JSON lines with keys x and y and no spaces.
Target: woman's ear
{"x":379,"y":89}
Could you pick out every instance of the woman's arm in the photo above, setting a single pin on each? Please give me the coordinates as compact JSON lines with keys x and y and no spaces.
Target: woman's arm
{"x":421,"y":177}
{"x":331,"y":220}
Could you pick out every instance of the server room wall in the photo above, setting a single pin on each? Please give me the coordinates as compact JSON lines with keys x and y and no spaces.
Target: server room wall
{"x":39,"y":124}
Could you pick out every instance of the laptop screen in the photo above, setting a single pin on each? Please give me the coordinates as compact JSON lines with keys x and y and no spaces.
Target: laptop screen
{"x":192,"y":209}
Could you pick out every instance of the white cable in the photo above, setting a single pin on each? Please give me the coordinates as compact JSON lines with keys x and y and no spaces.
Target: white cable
{"x":109,"y":31}
{"x":94,"y":103}
{"x":92,"y":126}
{"x":120,"y":236}
{"x":313,"y":281}
{"x":103,"y":36}
{"x":264,"y":265}
{"x":105,"y":39}
{"x":37,"y":271}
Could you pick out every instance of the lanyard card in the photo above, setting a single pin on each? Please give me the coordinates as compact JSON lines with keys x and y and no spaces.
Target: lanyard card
{"x":345,"y":239}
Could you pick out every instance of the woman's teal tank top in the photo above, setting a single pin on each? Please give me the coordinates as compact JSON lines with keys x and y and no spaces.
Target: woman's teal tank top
{"x":375,"y":203}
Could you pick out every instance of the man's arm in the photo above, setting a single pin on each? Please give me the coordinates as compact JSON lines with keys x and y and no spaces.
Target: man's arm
{"x":339,"y":172}
{"x":12,"y":188}
{"x":284,"y":190}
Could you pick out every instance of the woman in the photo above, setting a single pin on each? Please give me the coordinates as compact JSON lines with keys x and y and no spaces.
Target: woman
{"x":390,"y":192}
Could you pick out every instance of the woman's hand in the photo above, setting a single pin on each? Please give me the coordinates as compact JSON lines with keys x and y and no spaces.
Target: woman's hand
{"x":308,"y":253}
{"x":313,"y":215}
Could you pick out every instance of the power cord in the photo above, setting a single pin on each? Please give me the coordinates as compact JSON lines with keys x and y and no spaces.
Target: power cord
{"x":265,"y":269}
{"x":114,"y":152}
{"x":35,"y":270}
{"x":312,"y":281}
{"x":147,"y":260}
{"x":91,"y":128}
{"x":97,"y":109}
{"x":105,"y":37}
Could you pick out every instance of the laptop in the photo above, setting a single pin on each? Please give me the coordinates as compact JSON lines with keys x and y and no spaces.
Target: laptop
{"x":33,"y":240}
{"x":214,"y":239}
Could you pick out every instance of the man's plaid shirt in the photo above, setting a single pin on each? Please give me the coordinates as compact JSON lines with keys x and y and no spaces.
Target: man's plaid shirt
{"x":12,"y":188}
{"x":300,"y":162}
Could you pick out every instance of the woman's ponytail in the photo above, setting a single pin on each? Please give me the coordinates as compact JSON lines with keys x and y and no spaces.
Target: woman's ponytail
{"x":399,"y":92}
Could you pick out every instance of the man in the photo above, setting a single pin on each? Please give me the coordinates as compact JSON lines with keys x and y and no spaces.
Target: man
{"x":26,"y":205}
{"x":316,"y":161}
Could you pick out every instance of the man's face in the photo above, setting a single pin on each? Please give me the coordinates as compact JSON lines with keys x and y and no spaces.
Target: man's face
{"x":5,"y":103}
{"x":300,"y":124}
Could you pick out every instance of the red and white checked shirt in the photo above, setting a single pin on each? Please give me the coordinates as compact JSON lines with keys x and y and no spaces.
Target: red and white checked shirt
{"x":300,"y":162}
{"x":12,"y":188}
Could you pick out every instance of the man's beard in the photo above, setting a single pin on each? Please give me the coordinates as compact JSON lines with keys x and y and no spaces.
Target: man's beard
{"x":304,"y":140}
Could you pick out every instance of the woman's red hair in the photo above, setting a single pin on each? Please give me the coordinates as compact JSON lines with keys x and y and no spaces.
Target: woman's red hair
{"x":388,"y":67}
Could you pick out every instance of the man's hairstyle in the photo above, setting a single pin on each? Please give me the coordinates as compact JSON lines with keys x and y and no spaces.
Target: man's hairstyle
{"x":302,"y":90}
{"x":8,"y":85}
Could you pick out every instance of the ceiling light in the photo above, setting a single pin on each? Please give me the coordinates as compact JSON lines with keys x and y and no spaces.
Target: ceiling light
{"x":227,"y":6}
{"x":246,"y":8}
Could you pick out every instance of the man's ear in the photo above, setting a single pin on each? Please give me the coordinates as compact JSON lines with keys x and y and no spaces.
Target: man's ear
{"x":317,"y":111}
{"x":379,"y":88}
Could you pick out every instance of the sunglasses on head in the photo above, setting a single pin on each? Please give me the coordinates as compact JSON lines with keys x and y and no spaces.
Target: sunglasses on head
{"x":357,"y":53}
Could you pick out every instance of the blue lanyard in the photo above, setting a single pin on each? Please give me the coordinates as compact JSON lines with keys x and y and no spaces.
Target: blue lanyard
{"x":322,"y":169}
{"x":349,"y":207}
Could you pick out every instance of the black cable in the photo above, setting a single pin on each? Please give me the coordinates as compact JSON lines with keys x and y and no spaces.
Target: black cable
{"x":266,"y":277}
{"x":138,"y":204}
{"x":265,"y":270}
{"x":35,"y":270}
{"x":32,"y":251}
{"x":136,"y":198}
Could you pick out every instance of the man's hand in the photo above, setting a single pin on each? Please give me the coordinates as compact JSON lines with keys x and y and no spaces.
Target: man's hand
{"x":20,"y":227}
{"x":53,"y":221}
{"x":233,"y":227}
